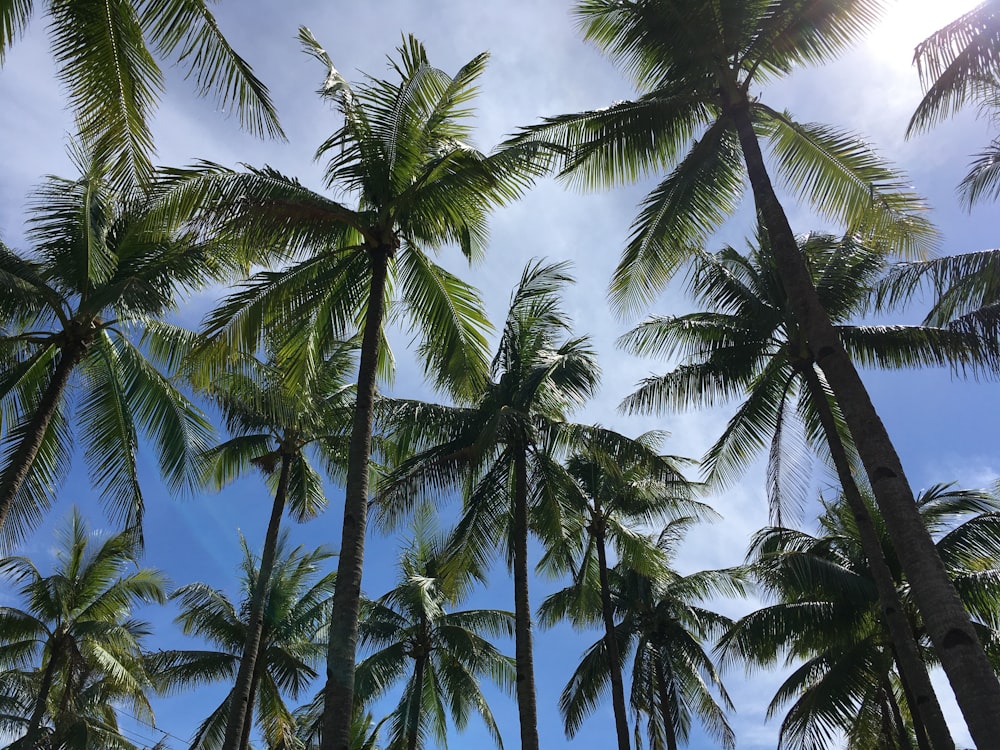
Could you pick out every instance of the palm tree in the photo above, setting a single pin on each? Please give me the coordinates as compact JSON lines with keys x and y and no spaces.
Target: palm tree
{"x":750,"y":344}
{"x":959,"y":64}
{"x":274,"y":416}
{"x":657,"y":614}
{"x":403,"y":153}
{"x":296,"y":608}
{"x":697,"y":64}
{"x":610,"y":492}
{"x":499,"y":450}
{"x":104,"y":267}
{"x":75,"y":651}
{"x":112,"y":79}
{"x":828,"y":617}
{"x":440,"y":653}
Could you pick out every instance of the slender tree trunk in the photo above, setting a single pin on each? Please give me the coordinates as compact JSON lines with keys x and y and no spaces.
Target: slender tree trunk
{"x":611,"y":642}
{"x":248,"y":721}
{"x":20,"y":462}
{"x":242,"y":693}
{"x":913,"y":671}
{"x":669,"y":731}
{"x":527,"y":707}
{"x":969,"y":671}
{"x":338,"y":700}
{"x":902,"y":735}
{"x":413,"y":720}
{"x":31,"y":737}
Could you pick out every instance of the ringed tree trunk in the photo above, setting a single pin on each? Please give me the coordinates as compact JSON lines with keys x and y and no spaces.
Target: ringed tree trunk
{"x":338,"y":694}
{"x":413,"y":720}
{"x":661,"y":687}
{"x":527,"y":707}
{"x":31,"y":737}
{"x":970,"y":673}
{"x":239,"y":710}
{"x":610,"y":641}
{"x":70,"y":356}
{"x":248,"y":722}
{"x":919,"y":692}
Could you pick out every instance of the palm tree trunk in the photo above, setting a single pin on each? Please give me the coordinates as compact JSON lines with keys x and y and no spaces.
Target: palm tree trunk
{"x":669,"y":732}
{"x":41,"y":701}
{"x":413,"y":720}
{"x":243,"y":692}
{"x":20,"y":462}
{"x":902,"y":735}
{"x":527,"y":708}
{"x":913,"y":671}
{"x":338,"y":700}
{"x":611,"y":642}
{"x":969,"y":671}
{"x":248,"y":721}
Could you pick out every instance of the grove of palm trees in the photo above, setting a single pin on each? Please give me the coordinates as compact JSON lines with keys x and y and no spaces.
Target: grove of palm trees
{"x":593,"y":373}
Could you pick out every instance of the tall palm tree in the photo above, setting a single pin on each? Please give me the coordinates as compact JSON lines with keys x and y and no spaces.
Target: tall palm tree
{"x":657,"y":614}
{"x":413,"y":635}
{"x":295,"y":612}
{"x":499,"y":450}
{"x":275,"y":417}
{"x":403,"y":153}
{"x":609,"y":494}
{"x":75,"y":651}
{"x":102,"y":51}
{"x":958,"y":65}
{"x":750,"y":344}
{"x":697,"y":65}
{"x":827,"y":616}
{"x":104,"y":267}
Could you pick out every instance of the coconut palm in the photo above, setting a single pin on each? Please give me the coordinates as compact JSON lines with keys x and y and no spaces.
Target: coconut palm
{"x":296,"y":608}
{"x":751,"y":345}
{"x":103,"y":268}
{"x":111,"y":76}
{"x":403,"y":154}
{"x":499,"y":450}
{"x":74,"y":653}
{"x":958,"y":65}
{"x":610,"y":493}
{"x":657,"y":614}
{"x":697,"y":66}
{"x":828,"y":618}
{"x":413,"y":635}
{"x":275,"y":418}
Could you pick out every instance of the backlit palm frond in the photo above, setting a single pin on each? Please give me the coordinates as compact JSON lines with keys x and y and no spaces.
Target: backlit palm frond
{"x":676,"y":218}
{"x":846,"y":181}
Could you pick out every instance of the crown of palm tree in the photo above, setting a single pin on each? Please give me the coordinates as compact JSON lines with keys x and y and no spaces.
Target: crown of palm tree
{"x":74,"y":652}
{"x":827,"y":618}
{"x":104,"y":267}
{"x":292,"y":641}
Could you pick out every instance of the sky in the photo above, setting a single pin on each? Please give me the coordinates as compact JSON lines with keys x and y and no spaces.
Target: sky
{"x":943,"y":428}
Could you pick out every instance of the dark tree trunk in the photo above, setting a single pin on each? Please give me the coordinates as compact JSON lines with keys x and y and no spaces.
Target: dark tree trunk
{"x":20,"y":462}
{"x":902,"y":735}
{"x":248,"y":721}
{"x":338,"y":700}
{"x":31,"y":737}
{"x":245,"y":682}
{"x":611,"y":642}
{"x":527,"y":708}
{"x":969,"y":671}
{"x":913,"y":671}
{"x":413,"y":720}
{"x":669,"y":731}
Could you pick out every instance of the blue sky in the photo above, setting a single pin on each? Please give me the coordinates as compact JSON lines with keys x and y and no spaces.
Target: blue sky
{"x":944,"y":429}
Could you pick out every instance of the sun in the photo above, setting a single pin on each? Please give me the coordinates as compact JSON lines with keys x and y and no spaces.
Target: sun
{"x":909,"y":22}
